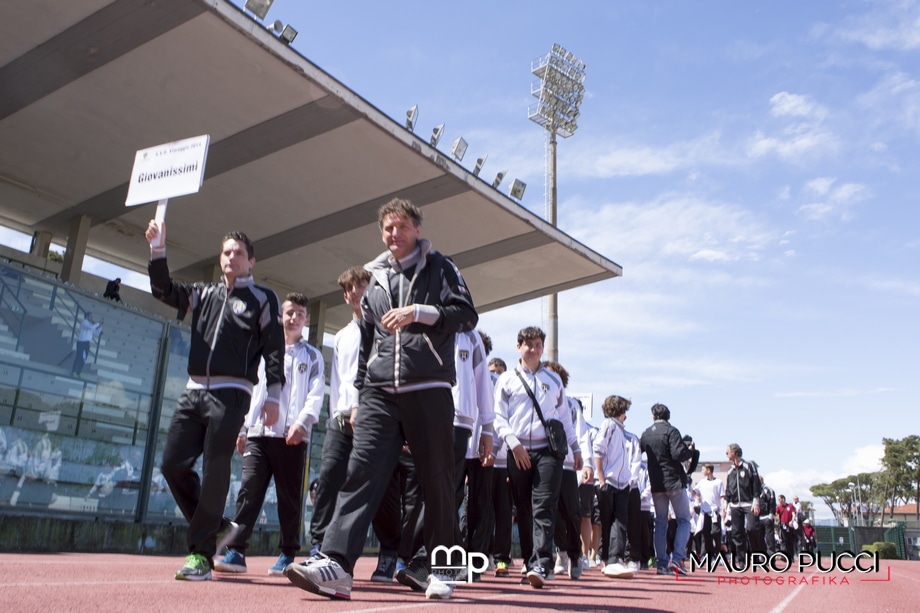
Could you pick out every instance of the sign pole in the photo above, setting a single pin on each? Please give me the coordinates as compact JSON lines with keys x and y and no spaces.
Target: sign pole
{"x":160,"y":218}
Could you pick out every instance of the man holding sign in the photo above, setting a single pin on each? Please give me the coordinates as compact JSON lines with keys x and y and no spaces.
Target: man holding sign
{"x":234,"y":324}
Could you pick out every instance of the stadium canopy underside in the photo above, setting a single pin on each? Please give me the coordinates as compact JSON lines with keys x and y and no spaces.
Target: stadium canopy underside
{"x":297,"y":161}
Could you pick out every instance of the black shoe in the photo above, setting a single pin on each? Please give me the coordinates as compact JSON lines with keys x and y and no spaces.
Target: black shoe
{"x":536,"y":577}
{"x":386,"y":567}
{"x":414,"y":575}
{"x":230,"y":529}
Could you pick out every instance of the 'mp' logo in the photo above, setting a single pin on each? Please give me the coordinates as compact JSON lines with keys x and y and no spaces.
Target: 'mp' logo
{"x":457,"y":563}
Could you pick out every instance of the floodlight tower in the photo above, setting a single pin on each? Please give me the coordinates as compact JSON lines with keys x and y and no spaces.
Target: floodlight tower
{"x":560,"y":90}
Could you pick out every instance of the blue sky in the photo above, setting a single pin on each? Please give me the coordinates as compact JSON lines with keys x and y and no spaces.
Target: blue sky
{"x":753,"y":168}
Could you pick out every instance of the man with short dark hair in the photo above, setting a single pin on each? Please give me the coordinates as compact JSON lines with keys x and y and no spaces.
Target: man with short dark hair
{"x":535,"y":474}
{"x":785,"y":515}
{"x":413,"y":306}
{"x":666,"y":451}
{"x":235,"y":324}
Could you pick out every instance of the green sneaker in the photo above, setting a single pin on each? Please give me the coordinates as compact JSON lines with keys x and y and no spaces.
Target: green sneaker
{"x":197,"y":568}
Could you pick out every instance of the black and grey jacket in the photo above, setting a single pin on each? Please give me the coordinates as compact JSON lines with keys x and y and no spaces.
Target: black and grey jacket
{"x":231,"y":330}
{"x":742,"y":485}
{"x":420,"y":355}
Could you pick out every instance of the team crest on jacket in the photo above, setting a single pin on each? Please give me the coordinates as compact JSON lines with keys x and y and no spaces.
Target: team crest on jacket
{"x":545,"y":387}
{"x":238,"y":306}
{"x":464,"y":355}
{"x":301,"y":368}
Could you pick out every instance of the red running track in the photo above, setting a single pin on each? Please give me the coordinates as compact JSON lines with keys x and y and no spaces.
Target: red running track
{"x":118,"y":582}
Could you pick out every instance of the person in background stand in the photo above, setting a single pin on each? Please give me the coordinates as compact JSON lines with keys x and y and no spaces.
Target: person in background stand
{"x":235,"y":324}
{"x":88,"y":329}
{"x":113,"y":290}
{"x":279,"y":451}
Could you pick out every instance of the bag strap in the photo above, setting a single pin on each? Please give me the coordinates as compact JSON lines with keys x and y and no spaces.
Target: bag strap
{"x":532,"y":397}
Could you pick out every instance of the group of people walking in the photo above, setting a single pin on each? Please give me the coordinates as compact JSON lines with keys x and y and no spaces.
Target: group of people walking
{"x":428,"y":441}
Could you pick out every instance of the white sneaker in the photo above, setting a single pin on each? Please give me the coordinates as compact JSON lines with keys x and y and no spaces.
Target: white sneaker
{"x":585,"y":563}
{"x":562,"y":563}
{"x":617,"y":571}
{"x":633,"y":566}
{"x":324,"y":577}
{"x":439,"y":587}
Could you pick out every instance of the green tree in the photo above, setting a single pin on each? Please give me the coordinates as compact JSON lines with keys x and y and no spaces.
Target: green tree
{"x":902,"y":464}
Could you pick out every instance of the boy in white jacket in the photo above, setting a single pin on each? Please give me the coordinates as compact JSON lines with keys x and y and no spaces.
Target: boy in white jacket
{"x":278,"y":450}
{"x":617,"y":459}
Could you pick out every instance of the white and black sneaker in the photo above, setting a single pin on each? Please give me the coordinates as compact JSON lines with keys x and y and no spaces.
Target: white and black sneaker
{"x":536,"y":577}
{"x":325,"y":577}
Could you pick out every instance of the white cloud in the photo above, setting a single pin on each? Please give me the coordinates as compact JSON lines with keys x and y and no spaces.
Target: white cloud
{"x":839,"y":393}
{"x":804,"y":136}
{"x":794,"y":144}
{"x":676,"y":227}
{"x":892,"y":25}
{"x":820,"y":186}
{"x":838,"y":202}
{"x":896,"y":97}
{"x":785,"y":104}
{"x":866,"y":459}
{"x":798,"y":482}
{"x":601,"y":158}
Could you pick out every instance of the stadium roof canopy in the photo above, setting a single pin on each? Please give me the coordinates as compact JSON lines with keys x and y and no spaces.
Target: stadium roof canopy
{"x":297,"y":161}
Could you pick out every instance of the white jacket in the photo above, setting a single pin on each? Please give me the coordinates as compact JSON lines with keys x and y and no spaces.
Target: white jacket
{"x":473,"y":403}
{"x":301,"y":397}
{"x":516,"y":419}
{"x":584,"y":437}
{"x":619,"y":454}
{"x":343,"y":395}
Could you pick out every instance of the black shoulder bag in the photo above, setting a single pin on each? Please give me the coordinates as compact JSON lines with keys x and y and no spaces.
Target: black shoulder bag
{"x":555,"y":431}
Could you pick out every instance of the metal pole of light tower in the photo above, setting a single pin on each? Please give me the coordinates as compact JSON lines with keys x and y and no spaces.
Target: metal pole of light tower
{"x":552,"y":336}
{"x":560,"y":92}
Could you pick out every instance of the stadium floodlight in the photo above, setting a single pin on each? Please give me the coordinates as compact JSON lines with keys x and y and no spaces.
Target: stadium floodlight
{"x":411,"y":117}
{"x":288,"y":34}
{"x":498,"y":178}
{"x":480,"y":162}
{"x":458,"y":148}
{"x":436,"y":135}
{"x":559,"y":93}
{"x":259,"y":8}
{"x":517,"y":189}
{"x":276,"y":27}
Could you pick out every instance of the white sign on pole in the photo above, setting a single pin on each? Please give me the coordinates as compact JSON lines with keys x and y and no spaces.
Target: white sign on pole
{"x":167,"y":171}
{"x":587,"y":401}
